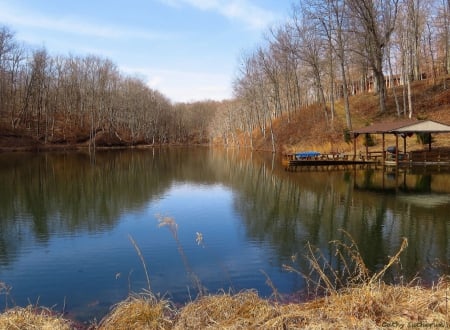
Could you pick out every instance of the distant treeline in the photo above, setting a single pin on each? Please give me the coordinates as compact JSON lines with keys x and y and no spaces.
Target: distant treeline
{"x":72,"y":99}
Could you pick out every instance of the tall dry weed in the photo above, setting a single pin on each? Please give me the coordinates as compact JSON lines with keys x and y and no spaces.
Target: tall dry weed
{"x":5,"y":290}
{"x":138,"y":250}
{"x":324,"y":277}
{"x":170,"y":223}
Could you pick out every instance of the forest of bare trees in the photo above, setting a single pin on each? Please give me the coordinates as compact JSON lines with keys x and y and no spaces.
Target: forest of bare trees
{"x":327,"y":50}
{"x":71,"y":99}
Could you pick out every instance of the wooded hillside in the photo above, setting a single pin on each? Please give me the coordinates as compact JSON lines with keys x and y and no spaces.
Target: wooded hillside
{"x":332,"y":66}
{"x":333,"y":50}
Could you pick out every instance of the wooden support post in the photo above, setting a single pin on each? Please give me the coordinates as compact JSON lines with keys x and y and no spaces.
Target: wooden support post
{"x":404,"y":143}
{"x":367,"y":145}
{"x":396,"y":150}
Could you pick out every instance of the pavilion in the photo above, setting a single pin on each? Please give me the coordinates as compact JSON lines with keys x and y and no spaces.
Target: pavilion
{"x":399,"y":128}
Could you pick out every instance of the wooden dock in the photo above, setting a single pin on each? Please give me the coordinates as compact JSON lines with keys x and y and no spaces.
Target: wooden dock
{"x":318,"y":161}
{"x":324,"y":162}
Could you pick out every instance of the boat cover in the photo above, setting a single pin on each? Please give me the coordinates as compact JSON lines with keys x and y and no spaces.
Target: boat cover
{"x":307,"y":154}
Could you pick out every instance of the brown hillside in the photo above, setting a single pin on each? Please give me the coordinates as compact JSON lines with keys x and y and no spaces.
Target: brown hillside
{"x":307,"y":129}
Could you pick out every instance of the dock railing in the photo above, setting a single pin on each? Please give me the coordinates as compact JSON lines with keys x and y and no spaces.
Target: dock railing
{"x":430,"y":156}
{"x":334,"y":156}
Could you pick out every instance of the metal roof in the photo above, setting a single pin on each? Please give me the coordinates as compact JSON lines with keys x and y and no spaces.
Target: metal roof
{"x":425,"y":126}
{"x":405,"y":126}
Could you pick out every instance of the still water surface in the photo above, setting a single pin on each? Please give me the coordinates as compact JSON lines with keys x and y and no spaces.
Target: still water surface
{"x":66,"y":220}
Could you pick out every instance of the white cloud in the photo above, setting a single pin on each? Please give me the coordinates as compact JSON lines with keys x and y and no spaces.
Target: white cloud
{"x":75,"y":26}
{"x":242,"y":10}
{"x":184,"y":86}
{"x":154,"y":82}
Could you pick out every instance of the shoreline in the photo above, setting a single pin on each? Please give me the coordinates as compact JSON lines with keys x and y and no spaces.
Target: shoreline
{"x":369,"y":306}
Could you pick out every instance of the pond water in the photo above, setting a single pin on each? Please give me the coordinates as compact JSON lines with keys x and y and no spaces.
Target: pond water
{"x":71,"y":224}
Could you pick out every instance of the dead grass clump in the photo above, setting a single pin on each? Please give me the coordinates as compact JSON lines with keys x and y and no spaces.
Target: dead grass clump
{"x":373,"y":307}
{"x":31,"y":317}
{"x":244,"y":310}
{"x":355,"y":298}
{"x":142,"y":311}
{"x":368,"y":306}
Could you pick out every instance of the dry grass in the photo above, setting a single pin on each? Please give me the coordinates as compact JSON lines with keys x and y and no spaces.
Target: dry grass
{"x":31,"y":317}
{"x":371,"y":306}
{"x":368,"y":306}
{"x":142,"y":311}
{"x":245,"y":310}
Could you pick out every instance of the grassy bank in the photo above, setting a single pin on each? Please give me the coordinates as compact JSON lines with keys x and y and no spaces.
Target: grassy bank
{"x":370,"y":306}
{"x":351,"y":298}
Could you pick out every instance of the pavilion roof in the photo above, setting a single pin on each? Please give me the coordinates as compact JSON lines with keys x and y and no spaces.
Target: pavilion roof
{"x":405,"y":126}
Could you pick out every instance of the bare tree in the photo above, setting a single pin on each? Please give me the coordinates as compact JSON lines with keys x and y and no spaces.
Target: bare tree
{"x":444,"y":34}
{"x":246,"y":105}
{"x":36,"y":95}
{"x":332,"y":17}
{"x":310,"y":50}
{"x":7,"y":46}
{"x":415,"y":26}
{"x":289,"y":64}
{"x":374,"y":23}
{"x":12,"y":61}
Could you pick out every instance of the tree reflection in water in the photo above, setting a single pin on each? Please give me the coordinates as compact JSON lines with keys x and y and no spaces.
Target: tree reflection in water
{"x":68,"y":197}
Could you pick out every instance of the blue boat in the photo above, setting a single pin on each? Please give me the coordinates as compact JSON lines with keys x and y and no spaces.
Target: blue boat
{"x":306,"y":154}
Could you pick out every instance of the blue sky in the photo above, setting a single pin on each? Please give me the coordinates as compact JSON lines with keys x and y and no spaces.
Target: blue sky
{"x":189,"y":50}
